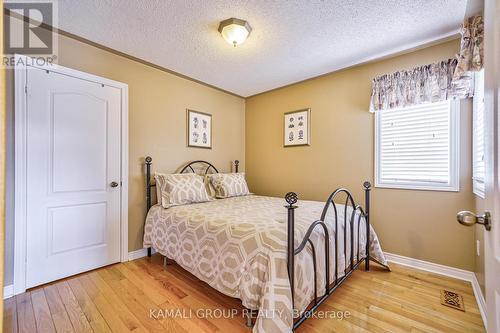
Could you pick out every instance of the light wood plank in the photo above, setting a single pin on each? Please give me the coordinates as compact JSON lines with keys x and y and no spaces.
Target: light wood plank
{"x":413,"y":306}
{"x":140,"y":311}
{"x":105,"y":308}
{"x":88,"y":307}
{"x":10,"y":316}
{"x":25,"y":316}
{"x":58,"y":312}
{"x":171,"y":300}
{"x":129,"y":319}
{"x":196,"y":295}
{"x":167,"y":322}
{"x":44,"y":322}
{"x":75,"y":313}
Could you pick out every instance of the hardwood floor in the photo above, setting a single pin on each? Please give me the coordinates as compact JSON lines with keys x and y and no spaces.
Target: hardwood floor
{"x":126,"y":297}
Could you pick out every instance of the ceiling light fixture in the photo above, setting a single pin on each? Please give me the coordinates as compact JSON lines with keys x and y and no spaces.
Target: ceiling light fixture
{"x":235,"y":31}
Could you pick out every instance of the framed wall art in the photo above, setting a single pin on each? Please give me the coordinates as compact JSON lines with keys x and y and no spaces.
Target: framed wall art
{"x":199,"y":129}
{"x":297,"y":128}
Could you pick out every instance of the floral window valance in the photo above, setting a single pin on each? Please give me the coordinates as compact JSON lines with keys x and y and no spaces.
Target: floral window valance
{"x":470,"y":58}
{"x":447,"y":79}
{"x":423,"y":84}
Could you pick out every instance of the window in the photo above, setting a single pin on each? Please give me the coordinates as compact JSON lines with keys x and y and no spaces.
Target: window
{"x":478,"y":167}
{"x":417,"y":147}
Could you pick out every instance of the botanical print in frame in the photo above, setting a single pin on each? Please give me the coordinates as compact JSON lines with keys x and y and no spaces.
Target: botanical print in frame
{"x":199,"y":129}
{"x":297,"y":128}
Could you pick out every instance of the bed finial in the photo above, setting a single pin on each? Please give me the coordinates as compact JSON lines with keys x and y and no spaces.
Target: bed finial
{"x":291,"y":198}
{"x":236,"y":165}
{"x":367,"y":185}
{"x":148,"y":159}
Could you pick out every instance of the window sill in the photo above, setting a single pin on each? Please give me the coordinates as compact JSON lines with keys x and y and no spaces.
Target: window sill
{"x":418,"y":187}
{"x":478,"y":193}
{"x":478,"y":187}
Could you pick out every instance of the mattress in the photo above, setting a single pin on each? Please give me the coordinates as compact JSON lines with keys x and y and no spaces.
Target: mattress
{"x":238,"y":246}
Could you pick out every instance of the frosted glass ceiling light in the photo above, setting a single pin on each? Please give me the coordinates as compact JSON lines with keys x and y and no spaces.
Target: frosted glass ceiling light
{"x":235,"y":31}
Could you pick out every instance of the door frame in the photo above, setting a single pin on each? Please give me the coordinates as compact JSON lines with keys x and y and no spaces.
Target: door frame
{"x":20,"y":166}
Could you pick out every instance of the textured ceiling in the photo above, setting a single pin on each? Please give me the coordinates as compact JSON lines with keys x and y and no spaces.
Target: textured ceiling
{"x":291,"y":40}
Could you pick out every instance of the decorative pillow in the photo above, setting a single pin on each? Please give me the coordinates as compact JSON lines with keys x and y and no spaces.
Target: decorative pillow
{"x":181,"y":189}
{"x":208,"y":185}
{"x":229,"y":185}
{"x":159,"y":185}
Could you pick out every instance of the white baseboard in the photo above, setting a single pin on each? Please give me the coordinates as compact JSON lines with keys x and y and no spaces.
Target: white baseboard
{"x":8,"y":291}
{"x":481,"y":302}
{"x":139,"y":254}
{"x":456,"y":273}
{"x":444,"y":270}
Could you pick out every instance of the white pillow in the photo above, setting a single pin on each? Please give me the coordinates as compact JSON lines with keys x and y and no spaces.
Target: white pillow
{"x":181,"y":189}
{"x":229,"y":185}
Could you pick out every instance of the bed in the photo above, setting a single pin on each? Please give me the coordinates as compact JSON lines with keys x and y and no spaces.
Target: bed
{"x":269,"y":253}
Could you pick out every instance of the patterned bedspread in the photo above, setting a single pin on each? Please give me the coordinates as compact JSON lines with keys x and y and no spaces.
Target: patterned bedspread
{"x":238,"y":246}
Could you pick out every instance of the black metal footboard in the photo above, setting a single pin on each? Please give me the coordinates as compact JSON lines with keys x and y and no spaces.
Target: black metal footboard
{"x":330,"y":286}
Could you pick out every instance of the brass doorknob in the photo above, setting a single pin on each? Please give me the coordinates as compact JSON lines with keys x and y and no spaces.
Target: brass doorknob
{"x":468,"y":218}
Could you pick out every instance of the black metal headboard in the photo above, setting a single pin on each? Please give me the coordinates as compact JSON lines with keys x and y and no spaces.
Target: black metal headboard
{"x":187,"y":168}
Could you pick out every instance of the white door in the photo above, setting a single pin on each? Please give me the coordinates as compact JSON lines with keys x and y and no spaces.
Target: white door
{"x":73,"y":176}
{"x":492,"y":159}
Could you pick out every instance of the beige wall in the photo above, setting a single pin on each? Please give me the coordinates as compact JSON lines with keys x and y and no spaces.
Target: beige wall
{"x":157,"y":122}
{"x":417,"y":224}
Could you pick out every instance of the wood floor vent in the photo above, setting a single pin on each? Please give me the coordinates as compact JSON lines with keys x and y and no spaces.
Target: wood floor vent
{"x":452,"y":299}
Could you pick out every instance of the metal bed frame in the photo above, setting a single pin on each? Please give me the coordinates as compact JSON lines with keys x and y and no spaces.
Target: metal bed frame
{"x":291,"y":198}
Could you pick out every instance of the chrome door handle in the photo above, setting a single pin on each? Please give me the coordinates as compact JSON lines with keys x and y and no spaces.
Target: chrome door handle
{"x":113,"y":184}
{"x":469,"y":219}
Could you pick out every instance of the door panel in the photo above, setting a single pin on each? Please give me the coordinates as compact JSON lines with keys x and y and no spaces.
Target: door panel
{"x":73,"y":154}
{"x":78,"y":142}
{"x":76,"y":227}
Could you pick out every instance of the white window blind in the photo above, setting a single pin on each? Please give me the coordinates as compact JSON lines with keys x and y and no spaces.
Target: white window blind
{"x":417,"y":147}
{"x":478,"y":166}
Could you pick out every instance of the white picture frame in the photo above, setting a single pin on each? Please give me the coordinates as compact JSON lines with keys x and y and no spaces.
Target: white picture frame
{"x":297,"y":128}
{"x":199,"y":129}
